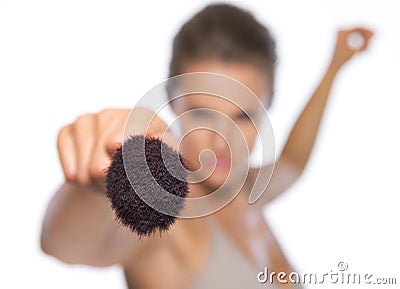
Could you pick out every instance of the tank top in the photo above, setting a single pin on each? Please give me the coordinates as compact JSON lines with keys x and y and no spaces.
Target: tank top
{"x":227,"y":267}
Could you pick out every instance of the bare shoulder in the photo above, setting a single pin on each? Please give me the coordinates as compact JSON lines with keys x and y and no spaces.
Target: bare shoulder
{"x":180,"y":238}
{"x":174,"y":249}
{"x":269,"y":181}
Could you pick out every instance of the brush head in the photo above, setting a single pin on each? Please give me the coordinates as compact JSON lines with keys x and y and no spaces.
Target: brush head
{"x":138,"y":172}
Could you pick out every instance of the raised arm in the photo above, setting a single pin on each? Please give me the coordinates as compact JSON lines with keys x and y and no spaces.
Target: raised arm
{"x":296,"y":152}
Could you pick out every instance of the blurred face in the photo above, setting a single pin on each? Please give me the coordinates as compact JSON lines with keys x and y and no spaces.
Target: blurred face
{"x":219,"y":133}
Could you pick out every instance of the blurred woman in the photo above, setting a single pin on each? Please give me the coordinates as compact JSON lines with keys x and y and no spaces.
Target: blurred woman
{"x":228,"y":248}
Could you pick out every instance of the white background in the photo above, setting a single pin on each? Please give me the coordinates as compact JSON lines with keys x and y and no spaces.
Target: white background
{"x":59,"y":59}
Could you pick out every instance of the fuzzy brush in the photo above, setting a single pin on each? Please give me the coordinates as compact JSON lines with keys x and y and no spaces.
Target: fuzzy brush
{"x":145,"y":161}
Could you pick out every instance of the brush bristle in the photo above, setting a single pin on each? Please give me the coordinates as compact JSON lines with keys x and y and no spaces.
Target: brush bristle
{"x":149,"y":178}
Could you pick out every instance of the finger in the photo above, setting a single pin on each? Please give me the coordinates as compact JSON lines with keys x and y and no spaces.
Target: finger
{"x":101,"y":159}
{"x":114,"y":142}
{"x":84,"y":132}
{"x":67,"y":152}
{"x":366,"y":34}
{"x":157,"y":126}
{"x":364,"y":31}
{"x":99,"y":162}
{"x":366,"y":44}
{"x":152,"y":132}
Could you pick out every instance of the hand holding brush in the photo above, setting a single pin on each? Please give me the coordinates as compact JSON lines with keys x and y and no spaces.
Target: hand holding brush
{"x":99,"y":156}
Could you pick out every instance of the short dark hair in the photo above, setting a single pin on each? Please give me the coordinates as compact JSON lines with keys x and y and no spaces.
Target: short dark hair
{"x":226,"y":32}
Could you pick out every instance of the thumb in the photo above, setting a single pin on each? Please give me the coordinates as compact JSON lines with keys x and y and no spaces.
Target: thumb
{"x":114,"y":142}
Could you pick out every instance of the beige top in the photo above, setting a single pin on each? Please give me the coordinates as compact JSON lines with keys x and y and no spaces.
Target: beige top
{"x":227,"y":267}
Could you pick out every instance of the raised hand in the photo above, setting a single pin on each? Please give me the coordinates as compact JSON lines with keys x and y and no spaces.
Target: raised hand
{"x":350,"y":42}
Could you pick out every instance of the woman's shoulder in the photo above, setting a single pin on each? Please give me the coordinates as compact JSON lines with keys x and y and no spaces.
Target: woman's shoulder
{"x":182,"y":237}
{"x":174,"y":249}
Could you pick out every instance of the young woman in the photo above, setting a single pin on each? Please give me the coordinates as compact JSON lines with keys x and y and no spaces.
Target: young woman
{"x":228,"y":248}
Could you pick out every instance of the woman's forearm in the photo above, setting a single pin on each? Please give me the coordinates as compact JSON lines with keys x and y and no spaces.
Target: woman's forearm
{"x":79,"y":224}
{"x":301,"y":139}
{"x":298,"y":147}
